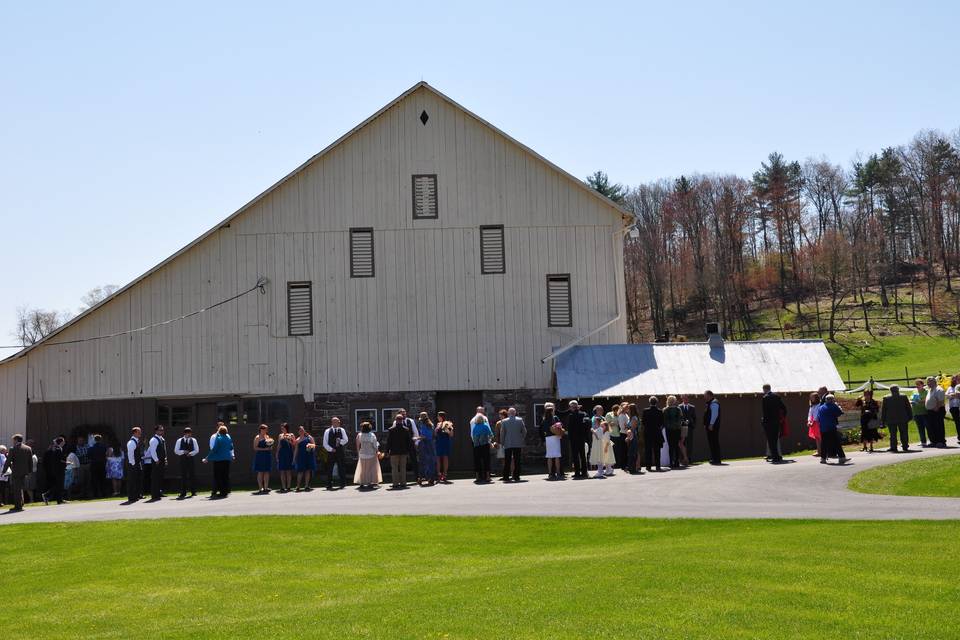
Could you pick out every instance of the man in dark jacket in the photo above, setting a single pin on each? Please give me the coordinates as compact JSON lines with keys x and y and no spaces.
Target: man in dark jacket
{"x":895,"y":414}
{"x":54,"y":469}
{"x":652,"y":421}
{"x":578,"y":431}
{"x":688,"y":419}
{"x":399,"y":444}
{"x":772,"y":410}
{"x":20,"y":464}
{"x":98,"y":468}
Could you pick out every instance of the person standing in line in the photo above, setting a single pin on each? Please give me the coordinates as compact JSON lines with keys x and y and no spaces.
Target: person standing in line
{"x":578,"y":430}
{"x":55,"y":470}
{"x":334,"y":441}
{"x":919,"y":409}
{"x":936,"y":403}
{"x":221,"y":455}
{"x":828,"y":417}
{"x":953,"y":402}
{"x":285,"y":446}
{"x":652,"y":421}
{"x":496,"y":445}
{"x":367,"y":474}
{"x":411,"y":426}
{"x":513,"y":436}
{"x":895,"y":414}
{"x":688,"y":423}
{"x":551,"y":430}
{"x":19,"y":464}
{"x":772,"y":411}
{"x":4,"y":476}
{"x":673,"y":425}
{"x":613,"y":428}
{"x":134,"y":468}
{"x":813,"y":427}
{"x":481,"y":435}
{"x":635,"y":443}
{"x":623,"y":422}
{"x":869,"y":414}
{"x":157,"y":455}
{"x":263,"y":458}
{"x":97,"y":454}
{"x":305,"y":461}
{"x":601,"y":451}
{"x":115,"y":469}
{"x":71,"y":475}
{"x":186,"y":449}
{"x":399,"y":444}
{"x":81,"y":468}
{"x":711,"y":422}
{"x":30,"y":482}
{"x":146,"y":462}
{"x":444,"y":445}
{"x":426,"y":450}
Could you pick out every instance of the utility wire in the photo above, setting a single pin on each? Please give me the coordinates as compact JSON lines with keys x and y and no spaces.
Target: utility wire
{"x":261,"y":284}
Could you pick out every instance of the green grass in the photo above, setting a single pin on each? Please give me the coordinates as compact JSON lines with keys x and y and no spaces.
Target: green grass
{"x":885,"y":357}
{"x":434,"y":577}
{"x":930,"y":477}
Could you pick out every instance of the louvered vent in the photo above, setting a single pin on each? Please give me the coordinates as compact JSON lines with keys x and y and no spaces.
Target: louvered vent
{"x":425,"y":196}
{"x":492,"y":255}
{"x":559,"y":305}
{"x":361,"y":253}
{"x":300,"y":308}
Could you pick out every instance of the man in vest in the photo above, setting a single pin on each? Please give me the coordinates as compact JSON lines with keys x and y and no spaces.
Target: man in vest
{"x":711,"y":421}
{"x":133,"y":463}
{"x":186,"y":450}
{"x":19,"y":463}
{"x":334,"y":440}
{"x":156,"y":458}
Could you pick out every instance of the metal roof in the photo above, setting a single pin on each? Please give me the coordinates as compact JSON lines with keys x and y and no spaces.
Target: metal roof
{"x":692,"y":367}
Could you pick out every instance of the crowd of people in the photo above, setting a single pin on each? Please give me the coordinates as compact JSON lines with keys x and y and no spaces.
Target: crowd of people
{"x":624,"y":436}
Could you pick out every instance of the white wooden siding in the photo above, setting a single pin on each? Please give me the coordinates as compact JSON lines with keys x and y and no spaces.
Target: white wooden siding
{"x":13,"y":400}
{"x":427,"y":320}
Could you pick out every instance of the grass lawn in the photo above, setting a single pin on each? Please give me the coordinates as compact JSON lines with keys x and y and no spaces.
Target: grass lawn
{"x":433,"y":577}
{"x":929,"y":477}
{"x":886,"y":357}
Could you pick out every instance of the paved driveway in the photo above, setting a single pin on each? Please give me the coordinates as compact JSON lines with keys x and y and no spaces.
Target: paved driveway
{"x":743,"y":489}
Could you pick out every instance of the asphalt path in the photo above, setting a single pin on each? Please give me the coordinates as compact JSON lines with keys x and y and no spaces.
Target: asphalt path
{"x":798,"y":488}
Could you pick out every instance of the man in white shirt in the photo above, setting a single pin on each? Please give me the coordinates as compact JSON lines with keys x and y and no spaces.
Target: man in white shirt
{"x":133,"y":462}
{"x":156,"y":459}
{"x":953,"y":402}
{"x":935,"y":403}
{"x":334,"y":440}
{"x":186,"y":450}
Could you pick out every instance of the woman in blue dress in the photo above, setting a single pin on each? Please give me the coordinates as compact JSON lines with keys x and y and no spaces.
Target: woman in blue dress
{"x":444,"y":443}
{"x":263,"y":459}
{"x":305,"y":460}
{"x":285,"y":447}
{"x":426,"y":453}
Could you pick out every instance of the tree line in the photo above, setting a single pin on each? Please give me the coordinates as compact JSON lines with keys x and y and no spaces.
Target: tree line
{"x":722,"y":247}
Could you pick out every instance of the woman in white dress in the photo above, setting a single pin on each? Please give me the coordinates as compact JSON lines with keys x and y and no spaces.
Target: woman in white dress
{"x":368,"y":473}
{"x":601,"y":454}
{"x":551,"y":429}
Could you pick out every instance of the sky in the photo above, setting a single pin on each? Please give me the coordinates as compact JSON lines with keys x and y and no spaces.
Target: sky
{"x":128,"y":129}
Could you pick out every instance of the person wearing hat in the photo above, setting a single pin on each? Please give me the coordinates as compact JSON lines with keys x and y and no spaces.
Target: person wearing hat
{"x":19,"y":463}
{"x":186,"y":450}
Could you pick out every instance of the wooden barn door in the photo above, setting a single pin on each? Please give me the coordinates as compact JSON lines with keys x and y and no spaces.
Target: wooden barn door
{"x":460,"y":406}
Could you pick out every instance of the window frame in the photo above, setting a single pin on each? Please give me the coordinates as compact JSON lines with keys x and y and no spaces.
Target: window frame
{"x":503,"y":248}
{"x":393,"y":411}
{"x":436,"y":196}
{"x":375,"y":422}
{"x":373,"y":252}
{"x":558,"y":276}
{"x":298,"y":284}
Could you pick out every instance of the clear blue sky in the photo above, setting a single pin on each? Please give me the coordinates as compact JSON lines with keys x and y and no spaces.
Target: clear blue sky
{"x":126,"y":131}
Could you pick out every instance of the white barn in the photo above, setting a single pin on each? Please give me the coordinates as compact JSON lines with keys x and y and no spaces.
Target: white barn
{"x":424,"y":260}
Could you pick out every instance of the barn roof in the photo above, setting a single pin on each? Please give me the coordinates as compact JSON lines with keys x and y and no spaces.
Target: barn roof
{"x":570,"y":178}
{"x":692,"y":367}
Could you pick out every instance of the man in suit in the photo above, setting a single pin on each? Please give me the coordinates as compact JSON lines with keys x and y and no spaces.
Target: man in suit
{"x":156,"y":458}
{"x":334,"y":441}
{"x":133,"y":466}
{"x":772,"y":410}
{"x":411,"y":425}
{"x":578,"y":430}
{"x":688,"y":419}
{"x":513,"y":435}
{"x":895,"y":414}
{"x":20,"y":464}
{"x":97,"y":454}
{"x":186,"y":450}
{"x":54,"y":469}
{"x":711,"y":422}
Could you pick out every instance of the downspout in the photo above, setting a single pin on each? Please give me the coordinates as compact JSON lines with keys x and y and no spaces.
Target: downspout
{"x":617,"y":235}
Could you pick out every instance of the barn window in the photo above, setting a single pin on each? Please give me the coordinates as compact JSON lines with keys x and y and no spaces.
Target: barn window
{"x":425,"y":196}
{"x":300,"y":308}
{"x":361,"y":253}
{"x":387,"y":416}
{"x":365,"y":415}
{"x":559,"y":304}
{"x":492,"y":255}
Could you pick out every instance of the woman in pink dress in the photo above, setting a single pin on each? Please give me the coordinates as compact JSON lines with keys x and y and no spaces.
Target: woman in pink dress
{"x":813,"y":427}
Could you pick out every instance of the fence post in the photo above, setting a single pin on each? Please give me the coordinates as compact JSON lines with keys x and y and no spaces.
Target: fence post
{"x":906,"y":375}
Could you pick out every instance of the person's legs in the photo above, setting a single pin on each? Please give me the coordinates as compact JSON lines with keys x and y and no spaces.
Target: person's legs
{"x":673,"y":444}
{"x":133,"y":480}
{"x":16,"y":491}
{"x":394,"y":471}
{"x":580,"y":456}
{"x":893,"y":437}
{"x":955,"y":414}
{"x":507,"y":455}
{"x":904,"y":429}
{"x":713,"y":439}
{"x":156,"y":481}
{"x":331,"y":462}
{"x":772,"y":431}
{"x":921,"y":422}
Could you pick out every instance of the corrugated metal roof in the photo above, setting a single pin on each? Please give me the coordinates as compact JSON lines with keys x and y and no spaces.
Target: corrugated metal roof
{"x":692,"y":367}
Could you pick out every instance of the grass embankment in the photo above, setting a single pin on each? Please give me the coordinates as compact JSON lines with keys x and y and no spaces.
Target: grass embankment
{"x":886,"y":357}
{"x":930,"y":477}
{"x":430,"y":577}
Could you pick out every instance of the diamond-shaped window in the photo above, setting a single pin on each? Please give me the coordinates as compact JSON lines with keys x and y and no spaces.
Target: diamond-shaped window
{"x":424,"y":117}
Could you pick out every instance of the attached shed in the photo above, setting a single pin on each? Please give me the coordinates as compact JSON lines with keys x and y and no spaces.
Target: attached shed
{"x":734,"y":371}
